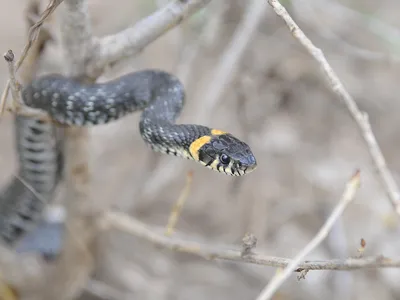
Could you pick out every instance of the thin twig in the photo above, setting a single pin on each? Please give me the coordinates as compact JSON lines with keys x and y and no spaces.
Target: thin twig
{"x":35,"y":29}
{"x":31,"y":189}
{"x":9,"y":57}
{"x":347,"y":197}
{"x":176,"y":210}
{"x":230,"y":59}
{"x":32,"y":36}
{"x":209,"y":33}
{"x":361,"y":118}
{"x":3,"y":99}
{"x":313,"y":14}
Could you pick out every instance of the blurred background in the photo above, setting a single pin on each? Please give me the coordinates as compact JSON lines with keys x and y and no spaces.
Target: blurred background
{"x":306,"y":144}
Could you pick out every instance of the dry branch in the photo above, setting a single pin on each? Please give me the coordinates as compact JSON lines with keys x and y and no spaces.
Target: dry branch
{"x":69,"y":274}
{"x":32,"y":37}
{"x":132,"y":40}
{"x":125,"y":223}
{"x":347,"y":197}
{"x":361,"y":118}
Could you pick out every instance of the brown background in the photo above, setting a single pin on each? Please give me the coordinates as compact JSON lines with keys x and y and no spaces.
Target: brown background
{"x":305,"y":142}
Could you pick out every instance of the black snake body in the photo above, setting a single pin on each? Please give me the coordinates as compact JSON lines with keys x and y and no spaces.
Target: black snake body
{"x":161,"y":97}
{"x":40,"y":165}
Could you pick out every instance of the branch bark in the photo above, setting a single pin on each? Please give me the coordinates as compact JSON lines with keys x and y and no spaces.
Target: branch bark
{"x":131,"y":226}
{"x":131,"y":41}
{"x":32,"y":37}
{"x":69,"y":274}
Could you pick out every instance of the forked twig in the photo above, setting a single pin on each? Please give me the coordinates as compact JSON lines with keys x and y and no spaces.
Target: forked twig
{"x":279,"y":278}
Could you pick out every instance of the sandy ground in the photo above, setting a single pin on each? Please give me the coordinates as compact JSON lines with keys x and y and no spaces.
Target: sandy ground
{"x":305,"y":142}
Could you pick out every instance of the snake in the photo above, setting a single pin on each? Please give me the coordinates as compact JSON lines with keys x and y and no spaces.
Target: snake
{"x":160,"y":96}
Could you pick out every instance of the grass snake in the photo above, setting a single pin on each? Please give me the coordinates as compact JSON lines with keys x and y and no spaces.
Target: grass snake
{"x":160,"y":96}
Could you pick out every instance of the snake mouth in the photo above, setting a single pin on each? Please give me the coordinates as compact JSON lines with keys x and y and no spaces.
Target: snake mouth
{"x":248,"y":169}
{"x":244,"y":170}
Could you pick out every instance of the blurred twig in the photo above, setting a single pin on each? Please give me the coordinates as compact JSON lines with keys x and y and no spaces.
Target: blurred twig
{"x":280,"y":278}
{"x":360,"y":117}
{"x":14,"y":84}
{"x":176,"y":210}
{"x":32,"y":36}
{"x":207,"y":36}
{"x":230,"y":59}
{"x":381,"y":29}
{"x":312,"y":13}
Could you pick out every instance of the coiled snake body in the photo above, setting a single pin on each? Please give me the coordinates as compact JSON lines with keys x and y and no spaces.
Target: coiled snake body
{"x":161,"y":97}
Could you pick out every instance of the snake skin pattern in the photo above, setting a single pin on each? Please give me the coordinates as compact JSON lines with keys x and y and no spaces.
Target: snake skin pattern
{"x":40,"y":162}
{"x":67,"y":101}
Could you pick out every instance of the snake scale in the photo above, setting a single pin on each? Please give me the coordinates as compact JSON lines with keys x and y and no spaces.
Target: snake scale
{"x":160,"y":96}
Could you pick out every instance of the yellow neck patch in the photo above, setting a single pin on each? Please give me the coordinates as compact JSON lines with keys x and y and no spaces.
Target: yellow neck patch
{"x":197,"y":144}
{"x":217,"y":132}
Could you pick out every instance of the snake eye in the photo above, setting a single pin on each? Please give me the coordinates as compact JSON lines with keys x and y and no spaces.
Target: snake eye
{"x":224,"y":159}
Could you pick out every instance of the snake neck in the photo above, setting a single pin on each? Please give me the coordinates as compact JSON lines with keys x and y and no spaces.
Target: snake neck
{"x":174,"y":139}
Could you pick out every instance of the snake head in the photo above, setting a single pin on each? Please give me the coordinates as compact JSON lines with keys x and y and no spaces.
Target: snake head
{"x":225,"y":153}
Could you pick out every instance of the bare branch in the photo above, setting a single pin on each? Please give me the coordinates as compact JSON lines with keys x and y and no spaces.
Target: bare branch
{"x":132,"y":40}
{"x":72,"y":269}
{"x":76,"y":36}
{"x":280,"y":278}
{"x":361,"y":118}
{"x":123,"y":222}
{"x":32,"y":37}
{"x":9,"y":57}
